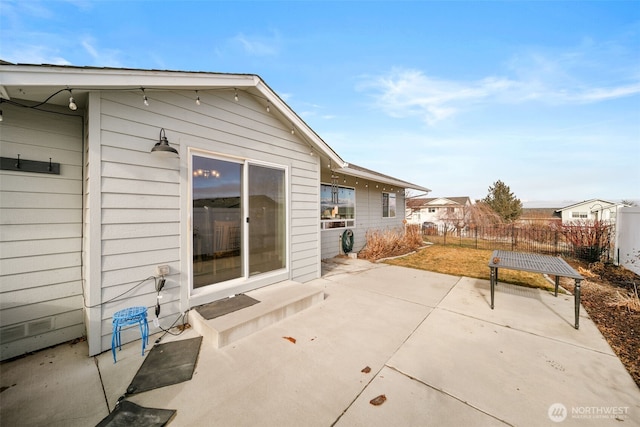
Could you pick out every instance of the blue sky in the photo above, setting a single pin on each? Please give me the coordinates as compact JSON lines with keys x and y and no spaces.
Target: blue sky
{"x":542,"y":95}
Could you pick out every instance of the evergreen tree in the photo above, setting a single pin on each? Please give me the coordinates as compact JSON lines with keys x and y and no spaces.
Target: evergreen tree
{"x":503,"y":201}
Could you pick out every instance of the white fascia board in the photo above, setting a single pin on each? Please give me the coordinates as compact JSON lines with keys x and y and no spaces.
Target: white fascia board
{"x":299,"y":125}
{"x":99,"y":78}
{"x":380,"y":178}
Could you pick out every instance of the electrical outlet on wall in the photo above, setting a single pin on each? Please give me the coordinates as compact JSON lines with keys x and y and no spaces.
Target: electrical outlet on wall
{"x":162,"y":270}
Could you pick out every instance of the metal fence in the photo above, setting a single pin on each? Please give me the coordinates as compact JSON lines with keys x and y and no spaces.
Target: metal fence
{"x":573,"y":242}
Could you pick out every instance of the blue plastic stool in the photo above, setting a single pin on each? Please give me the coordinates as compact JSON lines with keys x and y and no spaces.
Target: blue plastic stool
{"x":126,"y":317}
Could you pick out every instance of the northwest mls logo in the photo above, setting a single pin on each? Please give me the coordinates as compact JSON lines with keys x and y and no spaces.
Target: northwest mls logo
{"x":557,"y":412}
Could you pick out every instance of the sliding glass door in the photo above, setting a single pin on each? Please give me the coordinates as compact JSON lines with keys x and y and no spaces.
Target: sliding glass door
{"x":266,"y":219}
{"x":238,"y":220}
{"x":217,"y":220}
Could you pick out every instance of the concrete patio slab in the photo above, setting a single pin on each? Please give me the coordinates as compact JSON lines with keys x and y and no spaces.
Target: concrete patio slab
{"x":58,"y":386}
{"x":311,"y":381}
{"x":411,"y":403}
{"x":422,"y":287}
{"x":433,"y":346}
{"x":513,"y":375}
{"x":536,"y":311}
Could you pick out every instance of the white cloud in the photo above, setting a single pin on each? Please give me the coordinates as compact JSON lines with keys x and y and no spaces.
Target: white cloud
{"x":259,"y":46}
{"x":563,"y":79}
{"x":104,"y":57}
{"x":408,"y":92}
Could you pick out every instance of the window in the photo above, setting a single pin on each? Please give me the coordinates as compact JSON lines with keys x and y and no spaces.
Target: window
{"x":337,"y":206}
{"x":388,"y":205}
{"x":433,"y":210}
{"x":578,"y":215}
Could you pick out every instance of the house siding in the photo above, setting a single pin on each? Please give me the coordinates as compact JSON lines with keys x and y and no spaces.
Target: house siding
{"x":144,"y":201}
{"x":368,"y":213}
{"x":40,"y":232}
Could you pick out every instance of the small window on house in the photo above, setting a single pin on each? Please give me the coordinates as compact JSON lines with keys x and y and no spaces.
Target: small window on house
{"x":579,"y":215}
{"x":337,"y":206}
{"x":388,"y":205}
{"x":432,"y":210}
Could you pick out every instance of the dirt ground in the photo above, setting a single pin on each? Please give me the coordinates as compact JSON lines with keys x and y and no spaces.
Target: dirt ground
{"x":608,"y":296}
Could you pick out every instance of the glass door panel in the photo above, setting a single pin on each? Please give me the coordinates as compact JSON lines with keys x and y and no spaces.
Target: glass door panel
{"x":267,"y":219}
{"x":217,"y":220}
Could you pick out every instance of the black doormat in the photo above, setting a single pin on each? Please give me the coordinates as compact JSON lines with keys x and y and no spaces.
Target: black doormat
{"x":129,"y":414}
{"x":225,"y":306}
{"x":167,"y":364}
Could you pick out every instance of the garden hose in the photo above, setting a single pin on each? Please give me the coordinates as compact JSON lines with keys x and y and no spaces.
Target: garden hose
{"x":347,"y":241}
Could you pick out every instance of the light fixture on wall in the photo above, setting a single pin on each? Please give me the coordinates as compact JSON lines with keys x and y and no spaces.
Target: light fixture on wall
{"x":162,"y":146}
{"x":235,"y":95}
{"x":72,"y":102}
{"x":268,"y":106}
{"x":197,"y":98}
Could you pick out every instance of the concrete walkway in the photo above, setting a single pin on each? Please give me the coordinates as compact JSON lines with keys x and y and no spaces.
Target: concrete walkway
{"x":435,"y":350}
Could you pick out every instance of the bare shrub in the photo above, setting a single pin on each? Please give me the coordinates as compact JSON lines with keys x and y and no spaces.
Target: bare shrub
{"x":631,"y":301}
{"x":590,"y":238}
{"x":387,"y":243}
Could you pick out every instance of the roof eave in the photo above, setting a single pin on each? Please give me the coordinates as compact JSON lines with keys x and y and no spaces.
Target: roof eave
{"x":93,"y":78}
{"x":380,"y":178}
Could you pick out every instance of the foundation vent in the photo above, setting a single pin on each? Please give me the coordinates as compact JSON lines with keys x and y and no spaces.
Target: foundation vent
{"x":12,"y":333}
{"x":39,"y":327}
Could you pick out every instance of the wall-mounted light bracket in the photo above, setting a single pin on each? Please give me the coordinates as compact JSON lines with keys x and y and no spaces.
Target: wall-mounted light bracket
{"x":22,"y":165}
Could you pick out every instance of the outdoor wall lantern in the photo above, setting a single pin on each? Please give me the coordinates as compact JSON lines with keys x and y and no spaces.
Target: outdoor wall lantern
{"x":162,"y":146}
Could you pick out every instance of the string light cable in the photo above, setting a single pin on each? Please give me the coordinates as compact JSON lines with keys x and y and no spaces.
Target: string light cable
{"x":84,"y":301}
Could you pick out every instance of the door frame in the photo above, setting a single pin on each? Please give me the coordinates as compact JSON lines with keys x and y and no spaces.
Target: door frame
{"x":191,"y":297}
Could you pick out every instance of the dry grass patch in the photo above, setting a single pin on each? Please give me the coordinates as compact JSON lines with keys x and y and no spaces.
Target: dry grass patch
{"x":630,"y":301}
{"x":467,"y":262}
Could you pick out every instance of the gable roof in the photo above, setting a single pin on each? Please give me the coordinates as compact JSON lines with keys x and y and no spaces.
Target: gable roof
{"x":602,"y":203}
{"x":54,"y":84}
{"x":435,"y":201}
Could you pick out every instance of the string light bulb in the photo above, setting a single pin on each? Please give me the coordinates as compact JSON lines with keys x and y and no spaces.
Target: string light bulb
{"x":1,"y":117}
{"x":197,"y":98}
{"x":293,"y":130}
{"x":144,"y":98}
{"x":72,"y":103}
{"x":235,"y":95}
{"x":268,"y":106}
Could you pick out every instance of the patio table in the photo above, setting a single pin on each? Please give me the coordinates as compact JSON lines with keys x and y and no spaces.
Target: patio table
{"x":545,"y":264}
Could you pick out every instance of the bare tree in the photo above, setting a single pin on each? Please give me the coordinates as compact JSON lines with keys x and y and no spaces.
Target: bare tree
{"x":481,"y":214}
{"x":477,"y":214}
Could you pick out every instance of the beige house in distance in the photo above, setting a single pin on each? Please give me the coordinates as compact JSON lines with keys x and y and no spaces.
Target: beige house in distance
{"x":438,"y":210}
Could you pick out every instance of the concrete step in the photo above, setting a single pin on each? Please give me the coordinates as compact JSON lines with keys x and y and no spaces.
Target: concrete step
{"x":277,"y":302}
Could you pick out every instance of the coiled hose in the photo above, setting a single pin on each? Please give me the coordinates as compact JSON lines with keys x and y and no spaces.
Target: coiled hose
{"x":347,"y":241}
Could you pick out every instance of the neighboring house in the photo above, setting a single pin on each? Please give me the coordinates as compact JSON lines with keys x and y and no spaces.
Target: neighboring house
{"x":593,"y":209}
{"x":251,"y":196}
{"x":438,"y":210}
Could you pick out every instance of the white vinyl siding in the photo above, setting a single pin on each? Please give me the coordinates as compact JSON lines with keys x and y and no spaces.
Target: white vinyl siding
{"x":144,"y":200}
{"x":40,"y":232}
{"x":368,"y":214}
